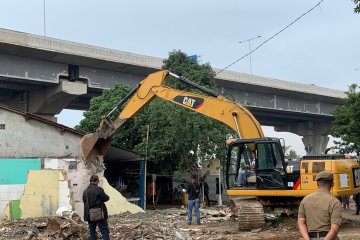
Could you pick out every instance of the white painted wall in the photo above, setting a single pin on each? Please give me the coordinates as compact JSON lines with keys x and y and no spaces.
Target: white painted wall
{"x":8,"y":193}
{"x":23,"y":138}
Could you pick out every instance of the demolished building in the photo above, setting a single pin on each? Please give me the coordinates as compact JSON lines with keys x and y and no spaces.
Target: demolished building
{"x":41,"y":168}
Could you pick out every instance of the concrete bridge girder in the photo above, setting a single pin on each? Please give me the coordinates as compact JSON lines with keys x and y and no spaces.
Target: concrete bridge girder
{"x":48,"y":101}
{"x":55,"y":98}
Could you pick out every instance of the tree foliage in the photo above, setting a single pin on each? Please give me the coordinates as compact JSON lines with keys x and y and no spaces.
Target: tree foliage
{"x":290,"y":153}
{"x":357,"y":6}
{"x":178,"y":137}
{"x":347,"y":122}
{"x":100,"y":106}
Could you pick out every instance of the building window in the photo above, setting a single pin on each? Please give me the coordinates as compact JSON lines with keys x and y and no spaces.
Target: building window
{"x":72,"y":165}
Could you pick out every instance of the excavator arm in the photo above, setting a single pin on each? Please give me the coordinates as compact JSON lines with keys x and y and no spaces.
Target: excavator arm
{"x":215,"y":106}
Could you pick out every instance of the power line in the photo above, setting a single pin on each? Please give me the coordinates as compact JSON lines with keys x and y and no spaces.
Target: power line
{"x":267,"y":40}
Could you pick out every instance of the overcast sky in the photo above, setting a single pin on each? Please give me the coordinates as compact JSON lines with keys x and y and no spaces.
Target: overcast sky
{"x":321,"y":48}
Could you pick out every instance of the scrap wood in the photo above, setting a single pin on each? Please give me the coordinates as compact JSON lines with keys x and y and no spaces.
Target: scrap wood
{"x":218,"y":218}
{"x":136,"y":226}
{"x":52,"y":225}
{"x":65,"y":225}
{"x":190,"y":229}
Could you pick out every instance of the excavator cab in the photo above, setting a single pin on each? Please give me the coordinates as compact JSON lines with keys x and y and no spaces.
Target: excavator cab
{"x":269,"y":170}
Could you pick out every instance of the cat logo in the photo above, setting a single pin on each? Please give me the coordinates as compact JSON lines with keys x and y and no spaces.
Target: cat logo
{"x":289,"y":169}
{"x":191,"y":102}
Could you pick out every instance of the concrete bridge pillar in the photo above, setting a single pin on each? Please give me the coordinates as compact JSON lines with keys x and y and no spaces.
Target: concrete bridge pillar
{"x":314,"y":134}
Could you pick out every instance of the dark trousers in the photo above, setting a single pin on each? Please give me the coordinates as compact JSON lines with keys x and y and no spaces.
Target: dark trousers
{"x":207,"y":198}
{"x":357,"y":201}
{"x":104,"y":229}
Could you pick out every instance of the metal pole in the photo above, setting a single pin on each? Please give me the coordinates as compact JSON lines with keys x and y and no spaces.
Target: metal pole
{"x":249,"y":41}
{"x":250,"y":56}
{"x":145,"y":164}
{"x":220,"y":193}
{"x":44,"y":19}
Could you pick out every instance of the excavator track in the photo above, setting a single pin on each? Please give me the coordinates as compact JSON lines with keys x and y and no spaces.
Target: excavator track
{"x":249,"y":212}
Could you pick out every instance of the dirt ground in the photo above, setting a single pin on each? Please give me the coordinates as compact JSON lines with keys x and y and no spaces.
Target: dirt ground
{"x":167,"y":223}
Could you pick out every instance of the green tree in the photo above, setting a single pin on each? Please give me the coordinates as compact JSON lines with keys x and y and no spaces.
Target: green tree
{"x":179,"y":137}
{"x":347,"y":122}
{"x":100,"y":106}
{"x":357,"y":6}
{"x":290,"y":153}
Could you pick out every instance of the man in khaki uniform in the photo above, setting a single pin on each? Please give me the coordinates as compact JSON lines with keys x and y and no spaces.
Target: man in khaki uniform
{"x":320,"y":213}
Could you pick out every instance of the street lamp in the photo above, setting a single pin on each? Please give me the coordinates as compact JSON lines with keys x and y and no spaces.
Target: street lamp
{"x":249,"y":41}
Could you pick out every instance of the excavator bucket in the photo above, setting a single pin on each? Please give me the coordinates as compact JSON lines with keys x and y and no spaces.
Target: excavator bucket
{"x":92,"y":146}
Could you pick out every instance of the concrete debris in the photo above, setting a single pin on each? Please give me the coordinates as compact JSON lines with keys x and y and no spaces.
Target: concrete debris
{"x":158,"y":224}
{"x":43,"y":228}
{"x":67,"y":212}
{"x":256,"y":230}
{"x":162,"y":224}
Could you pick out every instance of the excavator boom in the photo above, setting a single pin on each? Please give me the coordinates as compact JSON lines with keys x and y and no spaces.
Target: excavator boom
{"x":215,"y":106}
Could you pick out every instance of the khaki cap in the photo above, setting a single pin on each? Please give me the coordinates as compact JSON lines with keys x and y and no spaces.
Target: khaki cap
{"x":325,"y":176}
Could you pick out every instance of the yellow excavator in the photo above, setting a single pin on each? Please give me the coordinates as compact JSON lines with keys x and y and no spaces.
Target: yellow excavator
{"x":271,"y":184}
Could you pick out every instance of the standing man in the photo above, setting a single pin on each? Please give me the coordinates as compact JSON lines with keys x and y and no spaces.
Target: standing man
{"x":356,"y":198}
{"x":193,"y":190}
{"x":205,"y":190}
{"x":320,"y":213}
{"x":95,"y":197}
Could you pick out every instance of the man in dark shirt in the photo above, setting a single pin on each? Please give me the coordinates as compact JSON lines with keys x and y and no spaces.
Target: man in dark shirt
{"x":193,"y":190}
{"x":95,"y":197}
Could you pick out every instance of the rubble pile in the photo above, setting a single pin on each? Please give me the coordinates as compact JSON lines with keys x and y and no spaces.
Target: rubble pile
{"x":159,"y":224}
{"x":164,"y":224}
{"x":44,"y":228}
{"x":154,"y":224}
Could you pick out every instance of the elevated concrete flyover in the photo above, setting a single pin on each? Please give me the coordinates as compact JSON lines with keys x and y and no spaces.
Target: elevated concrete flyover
{"x":43,"y":75}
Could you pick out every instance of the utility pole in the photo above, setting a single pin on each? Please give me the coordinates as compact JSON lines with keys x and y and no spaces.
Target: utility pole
{"x":220,"y":192}
{"x":249,"y":41}
{"x":145,"y":163}
{"x":45,"y":18}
